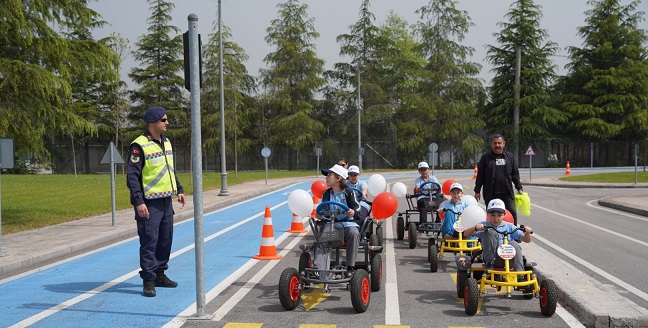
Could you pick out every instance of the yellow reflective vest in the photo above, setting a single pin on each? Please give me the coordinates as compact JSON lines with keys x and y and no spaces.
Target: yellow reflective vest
{"x":158,"y":173}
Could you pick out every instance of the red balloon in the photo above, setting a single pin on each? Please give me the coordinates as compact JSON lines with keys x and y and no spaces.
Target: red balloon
{"x":508,"y":217}
{"x":318,"y":187}
{"x":384,"y":205}
{"x":446,"y":186}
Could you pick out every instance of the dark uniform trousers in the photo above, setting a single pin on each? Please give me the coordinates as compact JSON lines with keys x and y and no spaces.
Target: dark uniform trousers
{"x":156,"y":236}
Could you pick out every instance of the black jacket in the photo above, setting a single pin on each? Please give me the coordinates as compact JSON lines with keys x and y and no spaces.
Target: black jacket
{"x":351,"y":201}
{"x":486,"y":175}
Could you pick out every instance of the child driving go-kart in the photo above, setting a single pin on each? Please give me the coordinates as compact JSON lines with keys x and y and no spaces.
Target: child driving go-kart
{"x":340,"y":192}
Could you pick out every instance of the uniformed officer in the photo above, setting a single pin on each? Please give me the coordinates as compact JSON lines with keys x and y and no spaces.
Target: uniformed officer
{"x":152,"y":181}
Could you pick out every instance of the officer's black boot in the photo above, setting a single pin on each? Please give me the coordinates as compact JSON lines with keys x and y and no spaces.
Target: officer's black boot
{"x":163,"y":281}
{"x":149,"y":288}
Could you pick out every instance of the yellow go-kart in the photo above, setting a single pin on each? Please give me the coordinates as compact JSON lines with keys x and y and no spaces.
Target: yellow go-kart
{"x":504,"y":277}
{"x":457,"y":245}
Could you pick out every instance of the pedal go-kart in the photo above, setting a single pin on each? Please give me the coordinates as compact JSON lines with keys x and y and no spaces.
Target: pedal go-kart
{"x":504,"y":277}
{"x":455,"y":245}
{"x":365,"y":278}
{"x":431,"y":229}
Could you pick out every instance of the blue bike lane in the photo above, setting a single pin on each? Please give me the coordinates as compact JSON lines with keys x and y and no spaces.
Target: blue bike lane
{"x":103,"y":288}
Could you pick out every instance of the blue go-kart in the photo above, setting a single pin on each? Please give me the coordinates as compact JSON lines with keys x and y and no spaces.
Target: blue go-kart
{"x":366,"y":275}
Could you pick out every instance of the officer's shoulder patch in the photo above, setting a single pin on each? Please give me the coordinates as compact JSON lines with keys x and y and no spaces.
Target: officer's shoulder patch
{"x":134,"y":158}
{"x":136,"y":151}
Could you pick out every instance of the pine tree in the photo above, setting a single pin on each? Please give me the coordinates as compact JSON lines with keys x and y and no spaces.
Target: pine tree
{"x":607,"y":86}
{"x":239,"y":86}
{"x":538,"y":119}
{"x":39,"y":65}
{"x":292,"y":78}
{"x":449,"y":92}
{"x":160,"y":56}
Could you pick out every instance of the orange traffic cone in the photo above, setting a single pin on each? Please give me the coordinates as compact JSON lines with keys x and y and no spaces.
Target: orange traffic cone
{"x":475,"y":174}
{"x":268,"y":250}
{"x":568,"y":172}
{"x":315,"y":203}
{"x":297,"y":226}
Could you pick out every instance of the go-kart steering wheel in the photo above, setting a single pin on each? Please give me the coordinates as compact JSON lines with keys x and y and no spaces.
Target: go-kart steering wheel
{"x":358,"y":191}
{"x":427,"y":191}
{"x":320,"y":208}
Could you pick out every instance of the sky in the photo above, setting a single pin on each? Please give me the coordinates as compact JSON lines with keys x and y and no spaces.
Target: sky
{"x":249,"y":19}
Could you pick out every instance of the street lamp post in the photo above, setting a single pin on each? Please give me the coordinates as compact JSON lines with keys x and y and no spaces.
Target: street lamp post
{"x":359,"y":127}
{"x":223,"y":191}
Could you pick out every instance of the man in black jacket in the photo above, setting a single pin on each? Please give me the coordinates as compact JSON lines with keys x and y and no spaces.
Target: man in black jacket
{"x":498,"y":172}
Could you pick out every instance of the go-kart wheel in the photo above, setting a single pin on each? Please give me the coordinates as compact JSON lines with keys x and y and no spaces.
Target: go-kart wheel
{"x":376,"y":273}
{"x":400,"y":228}
{"x":360,"y":290}
{"x":289,"y":289}
{"x":471,"y":296}
{"x":373,"y":241}
{"x":379,"y":233}
{"x":462,"y":276}
{"x":434,"y":258}
{"x":548,"y":297}
{"x":304,"y":262}
{"x":477,"y":275}
{"x":411,"y":235}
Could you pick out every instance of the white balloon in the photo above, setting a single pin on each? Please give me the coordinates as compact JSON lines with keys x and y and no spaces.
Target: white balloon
{"x":471,"y":200}
{"x":376,"y":184}
{"x":300,"y":202}
{"x":472,"y":215}
{"x":399,"y":189}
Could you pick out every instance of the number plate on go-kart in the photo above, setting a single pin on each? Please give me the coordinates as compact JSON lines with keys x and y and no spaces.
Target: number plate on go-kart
{"x":506,"y":251}
{"x":458,"y":226}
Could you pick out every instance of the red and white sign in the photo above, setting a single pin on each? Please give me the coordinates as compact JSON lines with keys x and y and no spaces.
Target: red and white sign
{"x":506,"y":251}
{"x":529,"y":152}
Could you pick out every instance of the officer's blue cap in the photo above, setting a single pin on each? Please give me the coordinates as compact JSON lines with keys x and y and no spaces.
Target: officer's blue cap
{"x":153,"y":114}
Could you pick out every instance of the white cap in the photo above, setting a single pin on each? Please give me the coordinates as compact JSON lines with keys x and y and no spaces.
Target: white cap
{"x":496,"y":205}
{"x":354,"y":169}
{"x":423,"y":165}
{"x":456,"y":185}
{"x":337,"y":169}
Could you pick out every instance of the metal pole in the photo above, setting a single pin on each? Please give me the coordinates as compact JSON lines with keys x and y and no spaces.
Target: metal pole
{"x":591,"y":154}
{"x":112,"y":181}
{"x":196,"y":155}
{"x":530,"y":165}
{"x":516,"y":107}
{"x":223,"y":191}
{"x":636,"y":159}
{"x":359,"y":127}
{"x":1,"y":209}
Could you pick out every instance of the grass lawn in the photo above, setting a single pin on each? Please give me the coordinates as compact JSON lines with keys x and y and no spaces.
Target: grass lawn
{"x":617,"y":177}
{"x":35,"y":201}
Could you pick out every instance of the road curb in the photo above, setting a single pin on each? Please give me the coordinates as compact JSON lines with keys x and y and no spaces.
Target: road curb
{"x":596,"y":305}
{"x":609,"y":202}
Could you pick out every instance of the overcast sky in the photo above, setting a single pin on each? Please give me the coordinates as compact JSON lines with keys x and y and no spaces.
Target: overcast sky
{"x":249,"y":19}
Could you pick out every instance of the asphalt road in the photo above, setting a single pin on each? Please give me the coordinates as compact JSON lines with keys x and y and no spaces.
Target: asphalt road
{"x":101,"y":288}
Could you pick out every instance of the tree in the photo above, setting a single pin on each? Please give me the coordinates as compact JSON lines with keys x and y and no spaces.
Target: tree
{"x":160,"y":55}
{"x":238,"y":87}
{"x":38,"y":65}
{"x":292,"y":78}
{"x":449,"y":91}
{"x":538,"y":119}
{"x":607,"y":86}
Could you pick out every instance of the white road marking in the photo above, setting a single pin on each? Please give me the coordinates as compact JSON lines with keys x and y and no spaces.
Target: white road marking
{"x":579,"y":260}
{"x":569,"y":319}
{"x":615,"y":211}
{"x":392,"y":308}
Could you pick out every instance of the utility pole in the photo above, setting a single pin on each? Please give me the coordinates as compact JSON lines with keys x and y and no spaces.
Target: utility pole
{"x":516,"y":108}
{"x":223,"y":191}
{"x":359,"y":128}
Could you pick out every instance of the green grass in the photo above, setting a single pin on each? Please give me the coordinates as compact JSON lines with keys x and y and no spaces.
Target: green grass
{"x":617,"y":177}
{"x":36,"y":201}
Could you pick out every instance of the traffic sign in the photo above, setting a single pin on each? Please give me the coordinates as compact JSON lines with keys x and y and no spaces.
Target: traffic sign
{"x":117,"y":159}
{"x":529,"y":152}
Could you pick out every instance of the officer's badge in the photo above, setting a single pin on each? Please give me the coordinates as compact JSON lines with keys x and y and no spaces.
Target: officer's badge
{"x":135,"y":159}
